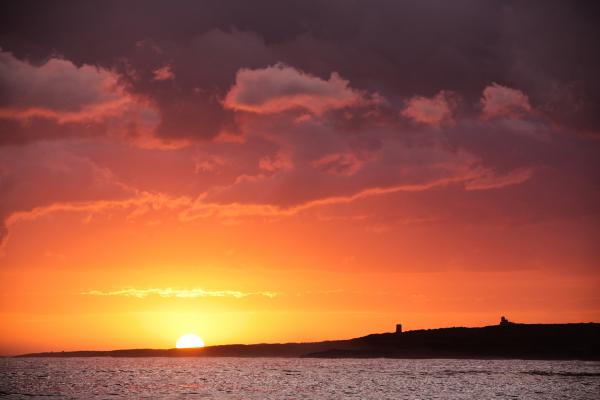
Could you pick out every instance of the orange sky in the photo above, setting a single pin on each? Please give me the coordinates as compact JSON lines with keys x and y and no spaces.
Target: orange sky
{"x":304,"y":174}
{"x":299,"y":278}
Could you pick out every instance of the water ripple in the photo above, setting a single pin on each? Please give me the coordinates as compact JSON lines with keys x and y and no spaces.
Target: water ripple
{"x":291,"y":378}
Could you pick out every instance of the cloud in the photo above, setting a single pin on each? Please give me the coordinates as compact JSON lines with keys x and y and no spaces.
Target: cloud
{"x":489,"y":180}
{"x":282,"y":168}
{"x":217,"y":122}
{"x":203,"y":69}
{"x":433,"y":111}
{"x":141,"y":203}
{"x":339,"y":164}
{"x":502,"y":101}
{"x":178,"y":293}
{"x":56,"y":84}
{"x":164,"y":73}
{"x":208,"y":42}
{"x":201,"y":208}
{"x":275,"y":163}
{"x":208,"y":163}
{"x":281,"y":88}
{"x":58,"y":99}
{"x":188,"y":209}
{"x":46,"y":173}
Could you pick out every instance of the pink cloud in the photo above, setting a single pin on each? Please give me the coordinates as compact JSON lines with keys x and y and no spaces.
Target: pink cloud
{"x":60,"y":93}
{"x":279,"y":162}
{"x":88,"y":113}
{"x":57,"y":84}
{"x":433,"y":111}
{"x":45,"y":173}
{"x":339,"y":164}
{"x":201,"y":208}
{"x":138,"y":203}
{"x":208,"y":164}
{"x":277,"y":165}
{"x":489,"y":180}
{"x":502,"y":101}
{"x":163,"y":74}
{"x":280,"y":88}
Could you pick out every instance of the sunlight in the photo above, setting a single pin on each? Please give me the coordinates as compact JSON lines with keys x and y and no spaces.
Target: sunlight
{"x":189,"y":341}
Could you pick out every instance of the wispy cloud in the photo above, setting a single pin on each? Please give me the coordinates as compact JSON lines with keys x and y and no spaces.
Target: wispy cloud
{"x":489,"y":180}
{"x":178,"y":293}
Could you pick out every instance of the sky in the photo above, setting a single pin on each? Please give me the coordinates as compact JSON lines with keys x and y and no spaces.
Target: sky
{"x":276,"y":171}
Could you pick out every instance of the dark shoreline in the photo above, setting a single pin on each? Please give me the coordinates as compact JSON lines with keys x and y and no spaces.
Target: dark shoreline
{"x":580,"y":341}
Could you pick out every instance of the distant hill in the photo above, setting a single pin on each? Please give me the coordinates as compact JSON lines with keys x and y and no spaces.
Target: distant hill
{"x":524,"y":341}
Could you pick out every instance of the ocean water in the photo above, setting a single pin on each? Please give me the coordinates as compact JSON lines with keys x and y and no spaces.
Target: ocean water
{"x":290,"y":378}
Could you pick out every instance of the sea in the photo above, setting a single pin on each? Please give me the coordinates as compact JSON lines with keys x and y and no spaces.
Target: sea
{"x":295,"y":378}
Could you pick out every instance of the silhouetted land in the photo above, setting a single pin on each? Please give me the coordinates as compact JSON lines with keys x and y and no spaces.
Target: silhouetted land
{"x":525,"y":341}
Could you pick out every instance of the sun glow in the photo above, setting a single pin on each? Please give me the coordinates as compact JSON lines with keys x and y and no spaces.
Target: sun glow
{"x":189,"y":341}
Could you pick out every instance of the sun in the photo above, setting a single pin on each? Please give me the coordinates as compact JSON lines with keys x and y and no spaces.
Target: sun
{"x":189,"y":341}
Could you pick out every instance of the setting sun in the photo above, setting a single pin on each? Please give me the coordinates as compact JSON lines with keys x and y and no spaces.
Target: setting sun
{"x":189,"y":341}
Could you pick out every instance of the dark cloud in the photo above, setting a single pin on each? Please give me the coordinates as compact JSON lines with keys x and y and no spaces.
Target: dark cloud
{"x":324,"y":98}
{"x":397,"y":48}
{"x":58,"y":99}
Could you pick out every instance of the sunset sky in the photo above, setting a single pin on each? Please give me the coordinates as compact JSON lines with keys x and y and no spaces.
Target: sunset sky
{"x":275,"y":171}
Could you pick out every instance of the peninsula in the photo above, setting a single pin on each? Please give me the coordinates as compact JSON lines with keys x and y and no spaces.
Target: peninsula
{"x":579,"y":341}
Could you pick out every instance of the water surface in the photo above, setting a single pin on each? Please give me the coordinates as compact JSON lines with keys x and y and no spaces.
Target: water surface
{"x":292,"y":378}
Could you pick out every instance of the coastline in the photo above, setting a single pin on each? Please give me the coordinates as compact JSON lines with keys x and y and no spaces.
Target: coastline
{"x":575,"y":341}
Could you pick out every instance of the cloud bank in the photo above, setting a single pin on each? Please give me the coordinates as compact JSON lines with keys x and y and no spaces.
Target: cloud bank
{"x":228,"y":112}
{"x":177,"y":293}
